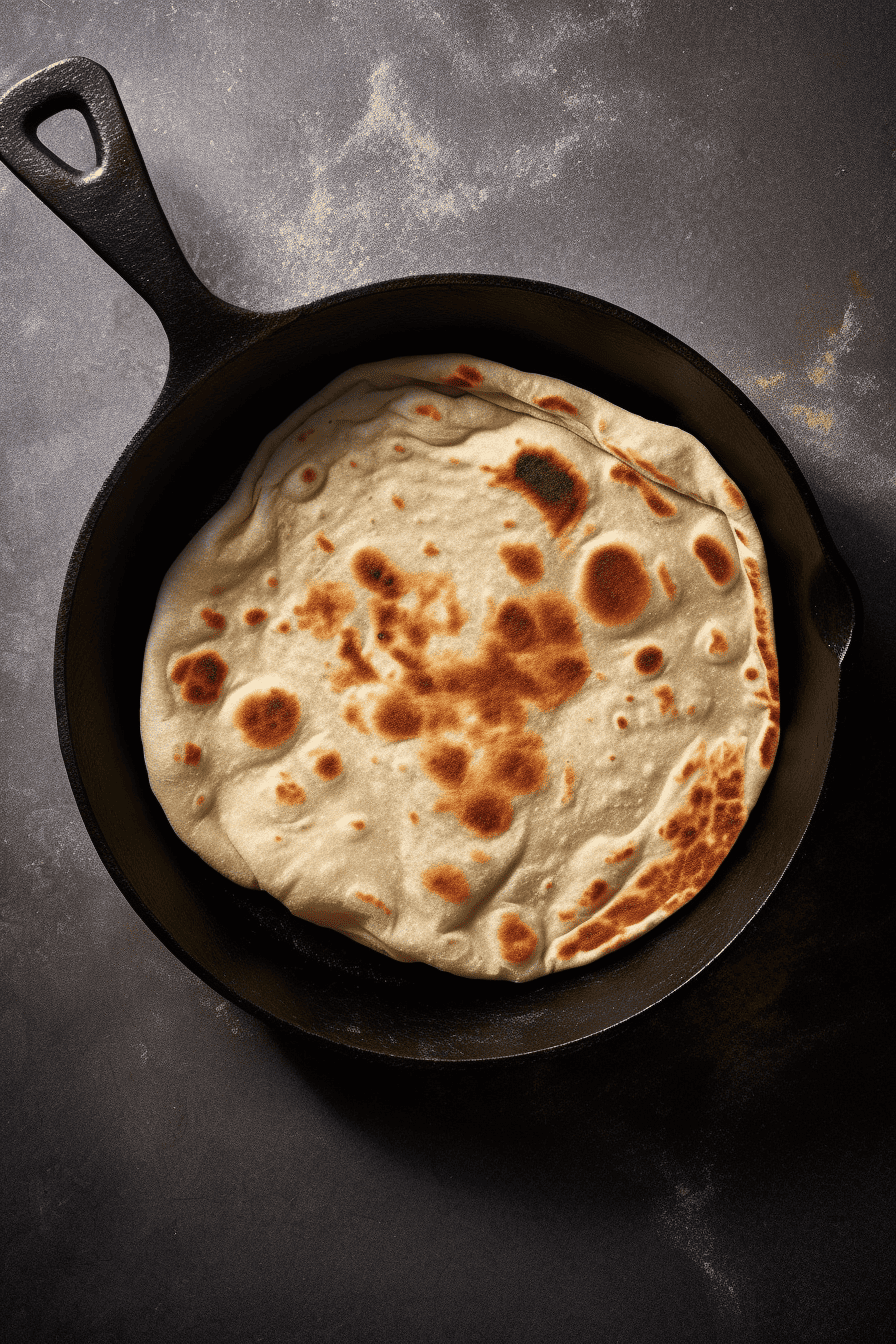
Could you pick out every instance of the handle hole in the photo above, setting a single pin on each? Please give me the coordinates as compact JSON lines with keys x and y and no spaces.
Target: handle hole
{"x":69,"y":138}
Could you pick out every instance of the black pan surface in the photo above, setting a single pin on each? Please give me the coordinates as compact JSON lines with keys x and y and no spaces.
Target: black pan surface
{"x":233,"y":376}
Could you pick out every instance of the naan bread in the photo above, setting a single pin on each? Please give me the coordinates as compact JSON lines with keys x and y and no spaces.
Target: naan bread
{"x":474,"y":667}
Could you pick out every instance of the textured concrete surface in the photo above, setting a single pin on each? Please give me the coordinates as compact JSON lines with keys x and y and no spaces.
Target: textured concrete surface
{"x":172,"y":1169}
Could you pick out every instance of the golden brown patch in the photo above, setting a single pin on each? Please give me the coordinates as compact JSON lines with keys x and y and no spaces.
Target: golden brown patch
{"x":429,"y":411}
{"x":464,"y":376}
{"x":648,"y":660}
{"x":200,"y":800}
{"x":734,"y":495}
{"x":621,"y":855}
{"x":399,"y":448}
{"x":192,"y":753}
{"x":325,"y":543}
{"x":414,"y":818}
{"x":700,"y":834}
{"x":666,"y":698}
{"x":596,"y":894}
{"x":268,"y":718}
{"x":398,"y":501}
{"x":213,"y":619}
{"x":372,"y":900}
{"x":740,"y":536}
{"x":670,"y":587}
{"x":751,"y":674}
{"x":309,"y":474}
{"x":770,"y":694}
{"x":284,"y":627}
{"x":289,"y":793}
{"x":715,"y":558}
{"x":448,"y":882}
{"x":622,"y":721}
{"x":515,"y":939}
{"x":718,"y":643}
{"x":273,"y":583}
{"x":656,"y":501}
{"x":615,"y":586}
{"x":329,"y":765}
{"x":255,"y":616}
{"x":548,"y":481}
{"x":431,"y":548}
{"x":325,"y":607}
{"x":479,"y":856}
{"x":200,"y":676}
{"x":508,"y":523}
{"x":358,"y":670}
{"x":531,"y":652}
{"x":353,"y":716}
{"x":359,"y":825}
{"x":523,"y":561}
{"x":556,"y":404}
{"x":569,"y":784}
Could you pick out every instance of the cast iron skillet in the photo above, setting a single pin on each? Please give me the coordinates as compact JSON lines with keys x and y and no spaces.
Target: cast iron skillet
{"x":233,"y":376}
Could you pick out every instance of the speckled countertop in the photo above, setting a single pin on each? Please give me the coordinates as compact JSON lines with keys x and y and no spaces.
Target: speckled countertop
{"x":174,"y":1170}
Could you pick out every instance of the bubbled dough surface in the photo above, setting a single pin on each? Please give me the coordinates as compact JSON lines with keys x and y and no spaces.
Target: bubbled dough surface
{"x":349,"y":855}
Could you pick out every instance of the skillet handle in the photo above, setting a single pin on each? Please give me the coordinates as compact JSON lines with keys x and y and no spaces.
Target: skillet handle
{"x":114,"y":207}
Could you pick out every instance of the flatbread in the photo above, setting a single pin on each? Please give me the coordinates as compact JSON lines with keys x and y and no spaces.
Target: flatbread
{"x":474,"y":666}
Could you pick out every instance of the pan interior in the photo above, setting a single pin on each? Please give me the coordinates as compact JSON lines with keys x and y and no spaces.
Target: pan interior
{"x":181,"y":469}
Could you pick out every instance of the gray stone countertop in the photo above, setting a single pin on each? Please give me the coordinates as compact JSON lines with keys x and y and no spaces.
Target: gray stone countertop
{"x":173,"y":1169}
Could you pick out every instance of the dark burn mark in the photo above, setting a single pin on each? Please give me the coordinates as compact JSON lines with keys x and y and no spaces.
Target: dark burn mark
{"x":447,"y":881}
{"x":515,"y":939}
{"x":615,"y":586}
{"x":715,"y":558}
{"x":309,"y":475}
{"x":700,"y":834}
{"x":649,"y":660}
{"x":192,"y":753}
{"x":525,"y":562}
{"x":329,"y":765}
{"x":268,"y":718}
{"x":655,"y":500}
{"x":622,"y":722}
{"x":200,"y":676}
{"x":213,"y":619}
{"x":464,"y":376}
{"x":548,"y":481}
{"x":255,"y":616}
{"x":556,"y":404}
{"x":375,"y":572}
